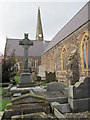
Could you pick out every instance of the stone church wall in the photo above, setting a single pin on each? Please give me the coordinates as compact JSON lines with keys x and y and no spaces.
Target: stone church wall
{"x":33,"y":63}
{"x":58,"y":58}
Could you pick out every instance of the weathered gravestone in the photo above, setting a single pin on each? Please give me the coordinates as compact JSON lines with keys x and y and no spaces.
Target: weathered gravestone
{"x":26,"y":104}
{"x":56,"y":92}
{"x":42,"y":72}
{"x":79,"y":95}
{"x":26,"y":77}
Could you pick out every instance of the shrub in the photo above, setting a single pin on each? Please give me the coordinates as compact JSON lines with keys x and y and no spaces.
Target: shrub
{"x":50,"y":77}
{"x":8,"y":68}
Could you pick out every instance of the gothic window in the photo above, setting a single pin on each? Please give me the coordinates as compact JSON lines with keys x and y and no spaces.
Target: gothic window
{"x":63,"y":58}
{"x":85,"y":50}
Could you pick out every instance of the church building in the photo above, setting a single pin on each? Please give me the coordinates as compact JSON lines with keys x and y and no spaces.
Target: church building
{"x":35,"y":52}
{"x":67,"y":54}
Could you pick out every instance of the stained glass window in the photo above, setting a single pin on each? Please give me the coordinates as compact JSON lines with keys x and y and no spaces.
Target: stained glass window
{"x":84,"y":57}
{"x":64,"y":58}
{"x":86,"y":52}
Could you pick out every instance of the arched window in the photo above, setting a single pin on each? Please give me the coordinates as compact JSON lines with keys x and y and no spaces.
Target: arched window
{"x":63,"y":58}
{"x":16,"y":67}
{"x":85,"y":52}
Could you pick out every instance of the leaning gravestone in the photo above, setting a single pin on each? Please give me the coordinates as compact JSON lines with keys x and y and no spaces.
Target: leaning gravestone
{"x":79,"y":95}
{"x":26,"y":77}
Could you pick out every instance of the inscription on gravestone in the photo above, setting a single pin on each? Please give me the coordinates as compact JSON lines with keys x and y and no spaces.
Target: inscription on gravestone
{"x":26,"y":77}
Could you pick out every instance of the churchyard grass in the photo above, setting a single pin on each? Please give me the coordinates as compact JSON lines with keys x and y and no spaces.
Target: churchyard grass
{"x":0,"y":90}
{"x":44,"y":84}
{"x":3,"y":101}
{"x":17,"y":78}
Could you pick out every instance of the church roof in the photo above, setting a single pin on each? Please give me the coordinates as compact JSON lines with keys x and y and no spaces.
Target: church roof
{"x":76,"y":22}
{"x":35,"y":50}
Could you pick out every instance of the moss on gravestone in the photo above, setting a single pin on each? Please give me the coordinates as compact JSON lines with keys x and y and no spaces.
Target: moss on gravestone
{"x":27,"y":95}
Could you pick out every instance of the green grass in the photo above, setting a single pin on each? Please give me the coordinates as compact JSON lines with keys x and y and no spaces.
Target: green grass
{"x":44,"y":84}
{"x":4,"y":103}
{"x":0,"y":90}
{"x":17,"y":78}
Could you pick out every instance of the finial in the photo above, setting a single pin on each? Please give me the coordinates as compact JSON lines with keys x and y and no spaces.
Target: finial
{"x":38,"y":8}
{"x":26,"y":35}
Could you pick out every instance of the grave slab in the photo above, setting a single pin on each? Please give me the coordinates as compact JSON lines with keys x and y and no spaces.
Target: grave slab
{"x":28,"y":98}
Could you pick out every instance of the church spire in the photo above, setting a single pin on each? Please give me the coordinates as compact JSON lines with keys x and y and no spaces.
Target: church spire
{"x":39,"y":31}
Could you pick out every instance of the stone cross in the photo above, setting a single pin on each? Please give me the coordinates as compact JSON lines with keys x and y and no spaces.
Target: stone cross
{"x":26,"y":43}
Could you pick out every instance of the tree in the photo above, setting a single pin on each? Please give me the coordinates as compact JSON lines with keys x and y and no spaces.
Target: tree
{"x":8,"y":68}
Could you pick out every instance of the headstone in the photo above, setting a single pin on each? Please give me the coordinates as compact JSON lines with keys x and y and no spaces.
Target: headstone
{"x":26,"y":77}
{"x":55,"y":86}
{"x":42,"y":72}
{"x":79,"y":95}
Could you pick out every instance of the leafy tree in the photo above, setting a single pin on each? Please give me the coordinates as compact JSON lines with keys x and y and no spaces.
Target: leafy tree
{"x":8,"y":68}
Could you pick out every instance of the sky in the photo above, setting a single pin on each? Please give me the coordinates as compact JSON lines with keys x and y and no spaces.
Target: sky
{"x":20,"y":16}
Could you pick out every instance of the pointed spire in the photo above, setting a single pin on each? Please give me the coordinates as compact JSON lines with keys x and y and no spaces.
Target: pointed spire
{"x":39,"y":31}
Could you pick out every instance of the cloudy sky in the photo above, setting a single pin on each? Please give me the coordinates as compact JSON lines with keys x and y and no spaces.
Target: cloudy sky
{"x":20,"y":16}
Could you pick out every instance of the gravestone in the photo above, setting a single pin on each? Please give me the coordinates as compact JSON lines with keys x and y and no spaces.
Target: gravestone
{"x":55,"y":86}
{"x":26,"y":77}
{"x":79,"y":95}
{"x":42,"y":72}
{"x":26,"y":104}
{"x":56,"y":92}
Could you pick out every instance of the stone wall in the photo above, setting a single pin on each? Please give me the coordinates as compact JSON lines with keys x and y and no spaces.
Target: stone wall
{"x":57,"y":58}
{"x":33,"y":63}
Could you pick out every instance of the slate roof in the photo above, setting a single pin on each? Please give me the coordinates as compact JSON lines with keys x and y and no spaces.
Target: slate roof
{"x":77,"y":21}
{"x":35,"y":50}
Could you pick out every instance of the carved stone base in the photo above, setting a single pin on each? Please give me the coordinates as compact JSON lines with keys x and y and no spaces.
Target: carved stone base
{"x":26,"y":80}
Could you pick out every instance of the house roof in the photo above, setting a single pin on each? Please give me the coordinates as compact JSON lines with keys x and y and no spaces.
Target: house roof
{"x":35,"y":50}
{"x":77,"y":21}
